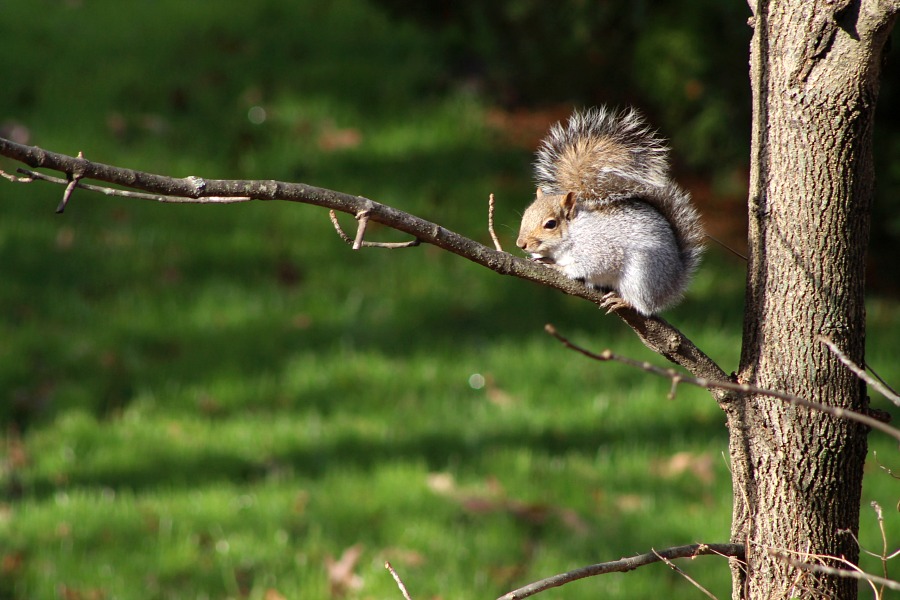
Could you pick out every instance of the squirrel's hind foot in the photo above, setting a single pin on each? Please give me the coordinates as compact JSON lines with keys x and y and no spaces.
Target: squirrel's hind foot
{"x":612,"y":302}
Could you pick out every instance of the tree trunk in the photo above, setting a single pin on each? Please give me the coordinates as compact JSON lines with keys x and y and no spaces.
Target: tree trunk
{"x":815,"y":68}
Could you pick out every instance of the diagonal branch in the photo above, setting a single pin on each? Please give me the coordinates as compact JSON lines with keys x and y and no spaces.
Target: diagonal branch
{"x":848,"y":573}
{"x":626,"y":564}
{"x":70,"y":187}
{"x":859,"y":371}
{"x":735,"y":388}
{"x":681,"y":572}
{"x":654,"y":332}
{"x":399,"y":581}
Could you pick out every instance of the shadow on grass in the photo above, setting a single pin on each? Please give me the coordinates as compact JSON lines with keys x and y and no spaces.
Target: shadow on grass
{"x":165,"y":467}
{"x":114,"y":367}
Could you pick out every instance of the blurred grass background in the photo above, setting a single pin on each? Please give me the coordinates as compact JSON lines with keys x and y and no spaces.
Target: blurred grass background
{"x":220,"y":402}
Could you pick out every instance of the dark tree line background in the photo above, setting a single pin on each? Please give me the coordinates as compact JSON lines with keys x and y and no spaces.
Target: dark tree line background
{"x":684,"y":63}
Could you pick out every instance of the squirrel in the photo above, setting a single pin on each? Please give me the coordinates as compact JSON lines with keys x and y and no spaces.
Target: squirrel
{"x":607,"y":213}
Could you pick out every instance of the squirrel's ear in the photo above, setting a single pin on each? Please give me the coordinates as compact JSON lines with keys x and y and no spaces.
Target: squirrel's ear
{"x":539,"y":193}
{"x":568,"y":205}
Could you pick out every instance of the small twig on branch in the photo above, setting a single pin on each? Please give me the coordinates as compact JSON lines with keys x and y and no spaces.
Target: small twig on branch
{"x":884,"y":543}
{"x":14,"y":178}
{"x":389,"y":245}
{"x":881,"y":380}
{"x":826,"y":570}
{"x":34,"y":175}
{"x":626,"y":564}
{"x":801,"y":560}
{"x":362,"y":218}
{"x":337,"y":227}
{"x":681,"y":572}
{"x":884,"y":556}
{"x":676,"y":377}
{"x":886,"y":470}
{"x":497,"y":245}
{"x":70,"y":186}
{"x":727,"y":247}
{"x":859,"y":372}
{"x":399,"y":581}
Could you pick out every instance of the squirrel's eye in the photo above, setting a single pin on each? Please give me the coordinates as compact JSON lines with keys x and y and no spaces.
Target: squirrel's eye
{"x":550,"y":224}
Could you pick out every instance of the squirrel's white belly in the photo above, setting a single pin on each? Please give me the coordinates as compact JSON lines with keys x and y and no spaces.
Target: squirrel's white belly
{"x":588,"y":272}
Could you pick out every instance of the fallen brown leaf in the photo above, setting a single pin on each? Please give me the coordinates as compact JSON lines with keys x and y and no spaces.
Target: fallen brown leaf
{"x":698,"y":465}
{"x":341,"y":573}
{"x":442,"y":484}
{"x":273,"y":594}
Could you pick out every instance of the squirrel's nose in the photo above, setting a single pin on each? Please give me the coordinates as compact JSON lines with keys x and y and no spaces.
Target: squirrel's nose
{"x":520,"y":243}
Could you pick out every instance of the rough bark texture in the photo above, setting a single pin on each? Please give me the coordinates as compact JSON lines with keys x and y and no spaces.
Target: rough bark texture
{"x":815,"y":68}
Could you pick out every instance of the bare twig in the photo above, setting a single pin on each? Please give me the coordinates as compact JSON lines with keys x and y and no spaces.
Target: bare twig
{"x":70,"y":186}
{"x":885,"y":469}
{"x":859,"y":372}
{"x":399,"y":581}
{"x":855,"y":539}
{"x":389,"y":245}
{"x":681,"y":572}
{"x":35,"y":175}
{"x":884,"y":556}
{"x":881,"y":380}
{"x":14,"y":178}
{"x":801,"y":560}
{"x":626,"y":564}
{"x":497,"y":245}
{"x":362,"y":218}
{"x":727,"y":247}
{"x":337,"y":227}
{"x":676,"y":377}
{"x":654,"y":332}
{"x":884,"y":547}
{"x":848,"y":573}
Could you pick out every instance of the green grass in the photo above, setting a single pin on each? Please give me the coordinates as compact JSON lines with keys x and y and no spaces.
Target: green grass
{"x":211,"y":402}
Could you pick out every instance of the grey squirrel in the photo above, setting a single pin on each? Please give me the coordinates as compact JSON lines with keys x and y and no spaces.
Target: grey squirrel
{"x":607,"y":212}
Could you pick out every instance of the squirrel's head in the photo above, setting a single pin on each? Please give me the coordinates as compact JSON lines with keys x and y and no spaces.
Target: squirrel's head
{"x":545,"y":225}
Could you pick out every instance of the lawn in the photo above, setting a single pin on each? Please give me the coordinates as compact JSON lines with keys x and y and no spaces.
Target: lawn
{"x":222,"y":401}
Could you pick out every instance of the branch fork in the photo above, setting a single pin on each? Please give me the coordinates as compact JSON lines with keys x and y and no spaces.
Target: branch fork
{"x":358,"y":242}
{"x":72,"y":178}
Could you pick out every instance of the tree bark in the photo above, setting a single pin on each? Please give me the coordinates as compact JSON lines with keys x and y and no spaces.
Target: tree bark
{"x":797,"y":474}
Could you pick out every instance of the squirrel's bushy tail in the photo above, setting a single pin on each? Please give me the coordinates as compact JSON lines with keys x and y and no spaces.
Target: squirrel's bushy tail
{"x":605,"y":156}
{"x":599,"y":152}
{"x":675,"y":205}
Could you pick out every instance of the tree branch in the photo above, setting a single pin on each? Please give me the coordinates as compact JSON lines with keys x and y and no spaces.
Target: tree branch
{"x":737,"y":388}
{"x":690,"y":579}
{"x":848,"y":573}
{"x":31,"y":176}
{"x":654,"y":332}
{"x":399,"y":581}
{"x":497,"y":245}
{"x":626,"y":564}
{"x":859,"y":371}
